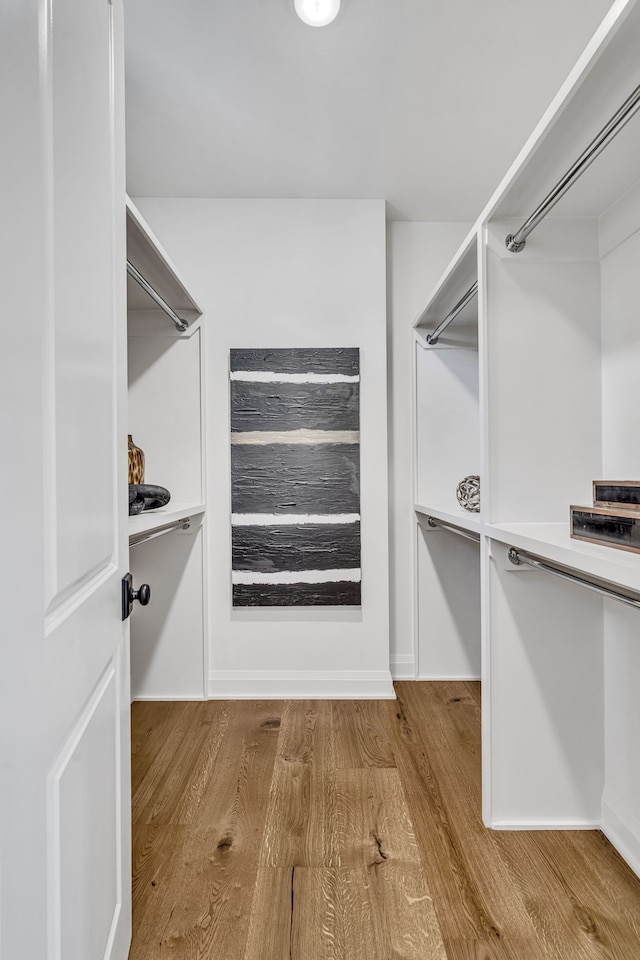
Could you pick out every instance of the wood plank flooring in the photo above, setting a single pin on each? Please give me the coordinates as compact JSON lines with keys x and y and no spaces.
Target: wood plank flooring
{"x":350,"y":830}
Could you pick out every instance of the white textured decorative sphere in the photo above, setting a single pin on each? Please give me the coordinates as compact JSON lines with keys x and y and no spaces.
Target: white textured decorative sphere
{"x":468,"y":494}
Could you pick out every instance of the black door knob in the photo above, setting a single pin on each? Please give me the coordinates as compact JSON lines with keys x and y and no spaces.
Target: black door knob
{"x":142,"y":594}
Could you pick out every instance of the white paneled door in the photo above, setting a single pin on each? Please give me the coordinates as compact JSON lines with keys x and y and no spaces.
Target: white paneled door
{"x":64,"y":660}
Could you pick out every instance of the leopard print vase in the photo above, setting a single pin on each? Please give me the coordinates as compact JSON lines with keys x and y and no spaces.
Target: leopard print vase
{"x":136,"y":462}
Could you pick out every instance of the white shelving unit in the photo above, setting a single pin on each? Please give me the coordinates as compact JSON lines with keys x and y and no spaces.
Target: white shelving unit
{"x":557,"y":405}
{"x":447,"y":448}
{"x":166,"y":419}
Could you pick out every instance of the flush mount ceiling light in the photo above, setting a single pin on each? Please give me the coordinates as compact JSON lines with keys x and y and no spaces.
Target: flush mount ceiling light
{"x":317,"y":13}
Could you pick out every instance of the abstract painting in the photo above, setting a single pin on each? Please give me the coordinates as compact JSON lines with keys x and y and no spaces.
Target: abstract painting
{"x":295,"y":477}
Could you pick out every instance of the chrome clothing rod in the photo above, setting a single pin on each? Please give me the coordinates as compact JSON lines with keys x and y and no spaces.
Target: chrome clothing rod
{"x":521,"y":556}
{"x":181,"y":325}
{"x":137,"y":538}
{"x":433,"y":522}
{"x":450,"y":317}
{"x":515,"y":242}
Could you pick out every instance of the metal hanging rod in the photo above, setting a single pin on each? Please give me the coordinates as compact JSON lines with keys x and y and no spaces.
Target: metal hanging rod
{"x":181,"y":325}
{"x":433,"y":522}
{"x":518,"y":557}
{"x":515,"y":242}
{"x":137,"y":538}
{"x":450,"y":317}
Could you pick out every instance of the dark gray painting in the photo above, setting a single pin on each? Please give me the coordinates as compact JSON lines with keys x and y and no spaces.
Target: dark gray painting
{"x":295,"y":477}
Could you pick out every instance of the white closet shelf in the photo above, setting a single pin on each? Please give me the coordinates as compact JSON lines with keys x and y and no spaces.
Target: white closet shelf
{"x":463,"y":519}
{"x":461,"y":273}
{"x":552,"y":541}
{"x":604,"y":76}
{"x":148,"y":257}
{"x":151,"y":520}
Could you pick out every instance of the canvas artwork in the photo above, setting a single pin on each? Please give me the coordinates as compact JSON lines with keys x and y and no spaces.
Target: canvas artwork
{"x":295,"y":477}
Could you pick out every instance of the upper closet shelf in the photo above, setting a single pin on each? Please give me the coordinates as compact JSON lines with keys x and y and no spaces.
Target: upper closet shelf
{"x":150,"y":271}
{"x":453,"y":299}
{"x":586,"y":106}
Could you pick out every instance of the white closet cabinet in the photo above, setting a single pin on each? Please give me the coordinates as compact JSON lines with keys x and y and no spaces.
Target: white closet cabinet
{"x":558,"y":407}
{"x":166,"y":420}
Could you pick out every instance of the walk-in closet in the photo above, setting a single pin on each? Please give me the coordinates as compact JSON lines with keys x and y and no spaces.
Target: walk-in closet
{"x":347,"y":667}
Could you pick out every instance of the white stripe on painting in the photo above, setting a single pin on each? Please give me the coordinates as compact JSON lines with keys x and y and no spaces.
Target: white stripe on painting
{"x":263,"y":437}
{"x":284,"y":519}
{"x":264,"y":376}
{"x":296,"y":576}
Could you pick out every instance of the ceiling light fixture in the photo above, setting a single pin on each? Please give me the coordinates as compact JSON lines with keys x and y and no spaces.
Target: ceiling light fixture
{"x":317,"y":13}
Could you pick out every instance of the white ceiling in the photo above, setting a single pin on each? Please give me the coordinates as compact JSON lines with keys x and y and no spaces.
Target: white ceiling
{"x":422,"y":103}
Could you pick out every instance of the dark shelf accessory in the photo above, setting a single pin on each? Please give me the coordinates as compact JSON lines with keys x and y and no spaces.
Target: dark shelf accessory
{"x":146,"y":496}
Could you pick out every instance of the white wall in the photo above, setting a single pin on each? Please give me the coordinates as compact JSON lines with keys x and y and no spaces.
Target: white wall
{"x":417,"y":254}
{"x":282,"y":273}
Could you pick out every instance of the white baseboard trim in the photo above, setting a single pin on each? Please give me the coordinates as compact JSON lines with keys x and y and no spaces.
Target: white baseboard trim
{"x":545,"y":825}
{"x":300,"y":685}
{"x":448,"y":679}
{"x":403,"y":666}
{"x":622,"y":828}
{"x":169,"y":697}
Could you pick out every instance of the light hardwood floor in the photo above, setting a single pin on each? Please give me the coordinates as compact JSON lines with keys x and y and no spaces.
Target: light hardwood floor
{"x":350,"y":830}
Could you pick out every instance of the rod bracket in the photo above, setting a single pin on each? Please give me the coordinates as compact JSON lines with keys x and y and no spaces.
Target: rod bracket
{"x":513,"y":245}
{"x":514,"y":558}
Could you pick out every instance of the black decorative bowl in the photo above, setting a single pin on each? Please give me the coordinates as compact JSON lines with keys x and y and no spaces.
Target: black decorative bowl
{"x":146,"y":496}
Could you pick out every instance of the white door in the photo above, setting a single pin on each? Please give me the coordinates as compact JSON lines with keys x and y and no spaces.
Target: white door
{"x":64,"y":664}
